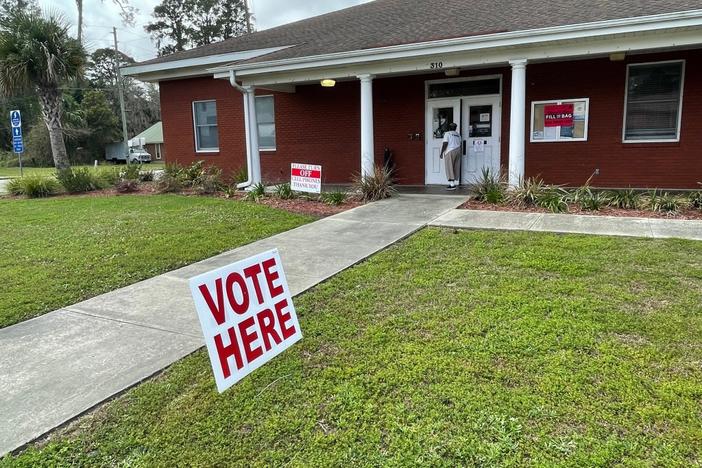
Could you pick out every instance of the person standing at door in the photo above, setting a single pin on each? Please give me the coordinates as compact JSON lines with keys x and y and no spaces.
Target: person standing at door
{"x":451,"y":150}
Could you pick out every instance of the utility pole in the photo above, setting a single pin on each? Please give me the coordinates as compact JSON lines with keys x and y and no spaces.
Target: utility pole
{"x":120,"y":90}
{"x":248,"y":16}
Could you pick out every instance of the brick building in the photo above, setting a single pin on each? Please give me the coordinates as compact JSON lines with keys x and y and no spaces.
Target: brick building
{"x":608,"y":90}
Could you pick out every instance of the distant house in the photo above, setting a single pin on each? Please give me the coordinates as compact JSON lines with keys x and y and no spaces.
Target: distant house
{"x":154,"y":141}
{"x":568,"y":91}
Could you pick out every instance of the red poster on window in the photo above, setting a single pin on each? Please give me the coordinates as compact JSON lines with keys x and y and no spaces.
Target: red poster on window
{"x":558,"y":115}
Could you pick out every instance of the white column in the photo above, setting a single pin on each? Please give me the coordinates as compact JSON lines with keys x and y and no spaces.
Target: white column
{"x":367,"y":150}
{"x":517,"y":122}
{"x":252,"y":131}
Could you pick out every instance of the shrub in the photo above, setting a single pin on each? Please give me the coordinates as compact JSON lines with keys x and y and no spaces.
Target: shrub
{"x":146,"y":176}
{"x":664,"y":202}
{"x":528,"y":192}
{"x":594,"y":201}
{"x":284,"y":191}
{"x":552,"y":198}
{"x":334,"y":198}
{"x":79,"y":180}
{"x":628,"y":199}
{"x":169,"y":182}
{"x":490,"y":187}
{"x":33,"y":186}
{"x":239,"y":175}
{"x":257,"y":192}
{"x":695,"y":200}
{"x":108,"y":175}
{"x":173,"y":170}
{"x":377,"y":186}
{"x":192,"y":174}
{"x":130,"y":172}
{"x":127,"y":186}
{"x":209,"y":181}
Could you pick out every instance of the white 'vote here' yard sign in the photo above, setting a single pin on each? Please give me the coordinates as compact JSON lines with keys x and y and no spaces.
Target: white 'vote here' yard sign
{"x":247,"y":315}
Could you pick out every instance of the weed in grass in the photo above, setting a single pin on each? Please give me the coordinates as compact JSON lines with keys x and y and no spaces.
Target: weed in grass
{"x":284,"y":191}
{"x":490,"y":187}
{"x":33,"y":186}
{"x":335,"y":198}
{"x":257,"y":192}
{"x":628,"y":199}
{"x":79,"y":180}
{"x":375,"y":186}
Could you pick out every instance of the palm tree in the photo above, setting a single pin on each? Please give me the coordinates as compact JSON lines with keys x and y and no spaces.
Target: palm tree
{"x":37,"y":55}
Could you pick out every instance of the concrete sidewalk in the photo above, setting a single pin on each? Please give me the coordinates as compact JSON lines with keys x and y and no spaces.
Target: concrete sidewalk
{"x":574,"y":224}
{"x":57,"y":366}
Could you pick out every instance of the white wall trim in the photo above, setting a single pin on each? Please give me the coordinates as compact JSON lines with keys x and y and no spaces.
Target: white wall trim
{"x":680,"y":107}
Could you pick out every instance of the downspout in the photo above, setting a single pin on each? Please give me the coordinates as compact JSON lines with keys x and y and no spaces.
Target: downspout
{"x":247,"y":132}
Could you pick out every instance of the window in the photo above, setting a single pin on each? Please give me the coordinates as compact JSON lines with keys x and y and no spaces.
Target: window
{"x":559,"y":120}
{"x":265,"y":118}
{"x":205,"y":120}
{"x":653,"y":102}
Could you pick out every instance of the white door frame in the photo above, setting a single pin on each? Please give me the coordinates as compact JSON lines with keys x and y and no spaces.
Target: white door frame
{"x":428,"y":102}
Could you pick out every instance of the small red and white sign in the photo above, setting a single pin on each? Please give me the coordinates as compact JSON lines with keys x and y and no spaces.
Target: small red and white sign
{"x":306,"y":178}
{"x":247,"y":316}
{"x":558,"y":115}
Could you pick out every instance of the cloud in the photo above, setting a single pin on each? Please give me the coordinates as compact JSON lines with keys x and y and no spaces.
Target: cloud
{"x":100,"y":16}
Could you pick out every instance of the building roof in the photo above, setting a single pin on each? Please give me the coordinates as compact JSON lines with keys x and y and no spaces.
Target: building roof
{"x":394,"y":22}
{"x":153,"y":134}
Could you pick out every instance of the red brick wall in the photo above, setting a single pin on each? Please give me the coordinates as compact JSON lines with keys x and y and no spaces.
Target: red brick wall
{"x":322,"y":126}
{"x":664,"y":165}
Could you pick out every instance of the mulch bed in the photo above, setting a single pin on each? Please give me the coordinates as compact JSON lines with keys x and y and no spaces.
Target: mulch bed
{"x":575,"y":209}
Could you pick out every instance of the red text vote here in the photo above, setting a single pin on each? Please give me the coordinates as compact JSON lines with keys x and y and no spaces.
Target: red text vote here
{"x":247,"y":315}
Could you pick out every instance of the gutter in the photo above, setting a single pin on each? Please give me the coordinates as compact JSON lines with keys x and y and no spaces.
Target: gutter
{"x":252,"y":155}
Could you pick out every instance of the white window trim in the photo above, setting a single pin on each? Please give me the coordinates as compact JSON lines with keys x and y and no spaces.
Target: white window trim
{"x":197,"y":141}
{"x":268,"y":149}
{"x":558,"y":102}
{"x":680,"y":107}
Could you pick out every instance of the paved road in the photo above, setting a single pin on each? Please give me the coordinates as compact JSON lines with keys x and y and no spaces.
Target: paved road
{"x":57,"y":366}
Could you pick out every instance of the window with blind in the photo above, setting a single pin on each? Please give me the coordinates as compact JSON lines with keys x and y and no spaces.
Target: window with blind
{"x":265,"y":118}
{"x":205,"y":122}
{"x":653,"y":102}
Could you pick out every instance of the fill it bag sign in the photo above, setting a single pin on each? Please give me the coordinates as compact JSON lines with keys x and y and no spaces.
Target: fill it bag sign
{"x":247,"y":316}
{"x":559,"y":115}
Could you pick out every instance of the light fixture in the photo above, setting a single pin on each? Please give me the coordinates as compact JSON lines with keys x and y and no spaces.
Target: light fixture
{"x":328,"y":83}
{"x":452,"y":72}
{"x":617,"y":56}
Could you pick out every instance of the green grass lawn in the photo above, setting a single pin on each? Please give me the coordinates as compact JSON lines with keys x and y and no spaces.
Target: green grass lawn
{"x":475,"y":348}
{"x":14,"y":171}
{"x":58,"y":251}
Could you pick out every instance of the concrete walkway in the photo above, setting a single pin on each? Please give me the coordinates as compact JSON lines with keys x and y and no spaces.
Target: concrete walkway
{"x":57,"y":366}
{"x":568,"y":223}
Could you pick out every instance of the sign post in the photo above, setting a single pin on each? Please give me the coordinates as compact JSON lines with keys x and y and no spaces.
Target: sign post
{"x":306,"y":178}
{"x":17,"y":141}
{"x":247,"y":315}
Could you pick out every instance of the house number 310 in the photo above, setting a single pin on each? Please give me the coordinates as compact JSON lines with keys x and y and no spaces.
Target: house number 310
{"x":437,"y":65}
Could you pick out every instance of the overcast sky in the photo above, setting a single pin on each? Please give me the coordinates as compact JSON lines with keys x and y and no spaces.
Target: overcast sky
{"x":101,"y":16}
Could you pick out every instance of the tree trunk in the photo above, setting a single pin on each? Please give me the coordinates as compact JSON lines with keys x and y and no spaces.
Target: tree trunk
{"x":79,"y":4}
{"x":50,"y":100}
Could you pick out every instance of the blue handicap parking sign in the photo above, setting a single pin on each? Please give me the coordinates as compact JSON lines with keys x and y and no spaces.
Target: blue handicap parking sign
{"x":16,"y":118}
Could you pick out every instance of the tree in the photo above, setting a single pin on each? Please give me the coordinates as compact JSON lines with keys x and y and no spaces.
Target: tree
{"x":101,"y":67}
{"x":127,"y":12}
{"x":8,"y":7}
{"x":37,"y":54}
{"x":100,"y":120}
{"x":182,"y":24}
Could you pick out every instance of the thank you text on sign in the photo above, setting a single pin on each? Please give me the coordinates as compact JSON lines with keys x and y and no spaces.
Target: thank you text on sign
{"x":558,"y":115}
{"x":247,"y":315}
{"x":306,"y":178}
